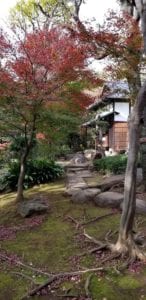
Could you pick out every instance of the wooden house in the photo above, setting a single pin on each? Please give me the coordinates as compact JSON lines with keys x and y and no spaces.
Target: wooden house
{"x":111,"y":107}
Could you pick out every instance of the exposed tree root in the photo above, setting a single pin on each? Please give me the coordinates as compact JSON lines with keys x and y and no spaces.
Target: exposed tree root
{"x":92,"y":239}
{"x":128,"y":248}
{"x":111,"y":257}
{"x":24,"y":276}
{"x":57,"y":276}
{"x":79,"y":224}
{"x":39,"y":288}
{"x":21,"y":264}
{"x":87,"y":283}
{"x":74,"y":221}
{"x":93,"y":250}
{"x":98,"y":218}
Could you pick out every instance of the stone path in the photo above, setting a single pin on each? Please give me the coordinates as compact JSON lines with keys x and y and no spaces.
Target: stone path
{"x":80,"y":191}
{"x":76,"y":176}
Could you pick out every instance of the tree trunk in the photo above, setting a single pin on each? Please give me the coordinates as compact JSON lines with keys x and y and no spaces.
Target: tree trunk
{"x":125,"y":241}
{"x":28,"y":147}
{"x":127,"y":219}
{"x":20,"y":196}
{"x":143,"y":149}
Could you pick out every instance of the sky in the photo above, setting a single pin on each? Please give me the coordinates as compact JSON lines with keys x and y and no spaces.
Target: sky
{"x":92,"y":8}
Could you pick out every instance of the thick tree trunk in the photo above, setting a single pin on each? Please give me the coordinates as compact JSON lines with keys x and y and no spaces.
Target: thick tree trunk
{"x":143,"y":149}
{"x":125,"y":241}
{"x":127,"y":219}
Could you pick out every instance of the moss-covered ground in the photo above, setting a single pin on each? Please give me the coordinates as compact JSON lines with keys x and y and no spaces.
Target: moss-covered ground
{"x":54,"y":243}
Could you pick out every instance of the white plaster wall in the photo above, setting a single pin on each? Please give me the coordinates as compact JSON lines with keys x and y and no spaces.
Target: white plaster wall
{"x":122,"y":108}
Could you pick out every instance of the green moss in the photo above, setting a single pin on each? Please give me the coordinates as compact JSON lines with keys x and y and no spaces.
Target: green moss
{"x":51,"y":245}
{"x":10,"y":288}
{"x":125,"y":288}
{"x":101,"y":227}
{"x":88,"y":261}
{"x":5,"y":280}
{"x":129,"y":282}
{"x":101,"y":289}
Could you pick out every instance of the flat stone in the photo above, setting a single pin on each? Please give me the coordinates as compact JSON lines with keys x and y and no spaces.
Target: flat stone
{"x":29,"y":207}
{"x":79,"y":166}
{"x":109,"y":199}
{"x":84,"y":173}
{"x":83,"y":196}
{"x":80,"y":186}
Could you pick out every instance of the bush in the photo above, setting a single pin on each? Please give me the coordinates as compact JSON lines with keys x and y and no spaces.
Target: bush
{"x":114,"y":164}
{"x":3,"y":184}
{"x":37,"y":172}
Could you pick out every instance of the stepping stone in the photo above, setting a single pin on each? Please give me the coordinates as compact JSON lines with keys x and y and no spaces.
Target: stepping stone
{"x":84,"y":173}
{"x":80,"y":185}
{"x":109,"y":199}
{"x":83,"y":196}
{"x":83,"y":166}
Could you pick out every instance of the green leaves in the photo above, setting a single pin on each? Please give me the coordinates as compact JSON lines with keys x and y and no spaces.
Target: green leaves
{"x":37,"y":172}
{"x":114,"y":164}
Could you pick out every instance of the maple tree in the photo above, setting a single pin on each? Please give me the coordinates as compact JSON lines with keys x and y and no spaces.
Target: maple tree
{"x":39,"y":69}
{"x":101,"y":44}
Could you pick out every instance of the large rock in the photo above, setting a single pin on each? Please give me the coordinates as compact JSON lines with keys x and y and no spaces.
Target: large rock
{"x":140,"y":206}
{"x":115,"y":180}
{"x":29,"y":207}
{"x":109,"y":199}
{"x":111,"y":181}
{"x":82,"y":196}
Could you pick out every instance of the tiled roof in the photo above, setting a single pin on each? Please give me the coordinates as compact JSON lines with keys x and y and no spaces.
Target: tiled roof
{"x":111,"y":90}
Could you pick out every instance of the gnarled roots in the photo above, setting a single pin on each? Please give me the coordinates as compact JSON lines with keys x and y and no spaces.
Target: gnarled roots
{"x":128,"y":247}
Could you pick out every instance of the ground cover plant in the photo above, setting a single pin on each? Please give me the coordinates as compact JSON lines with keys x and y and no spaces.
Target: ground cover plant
{"x":35,"y":249}
{"x":114,"y":164}
{"x":37,"y":171}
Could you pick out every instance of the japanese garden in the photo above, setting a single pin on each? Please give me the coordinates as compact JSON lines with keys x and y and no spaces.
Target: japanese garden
{"x":73,"y":152}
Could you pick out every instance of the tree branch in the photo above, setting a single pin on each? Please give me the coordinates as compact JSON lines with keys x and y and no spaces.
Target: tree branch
{"x":57,"y":276}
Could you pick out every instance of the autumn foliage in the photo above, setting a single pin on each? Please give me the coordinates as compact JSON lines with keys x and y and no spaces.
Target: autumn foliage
{"x":46,"y":66}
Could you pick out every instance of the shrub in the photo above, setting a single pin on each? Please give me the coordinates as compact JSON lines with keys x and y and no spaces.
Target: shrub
{"x":37,"y":172}
{"x":114,"y":164}
{"x":3,"y":184}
